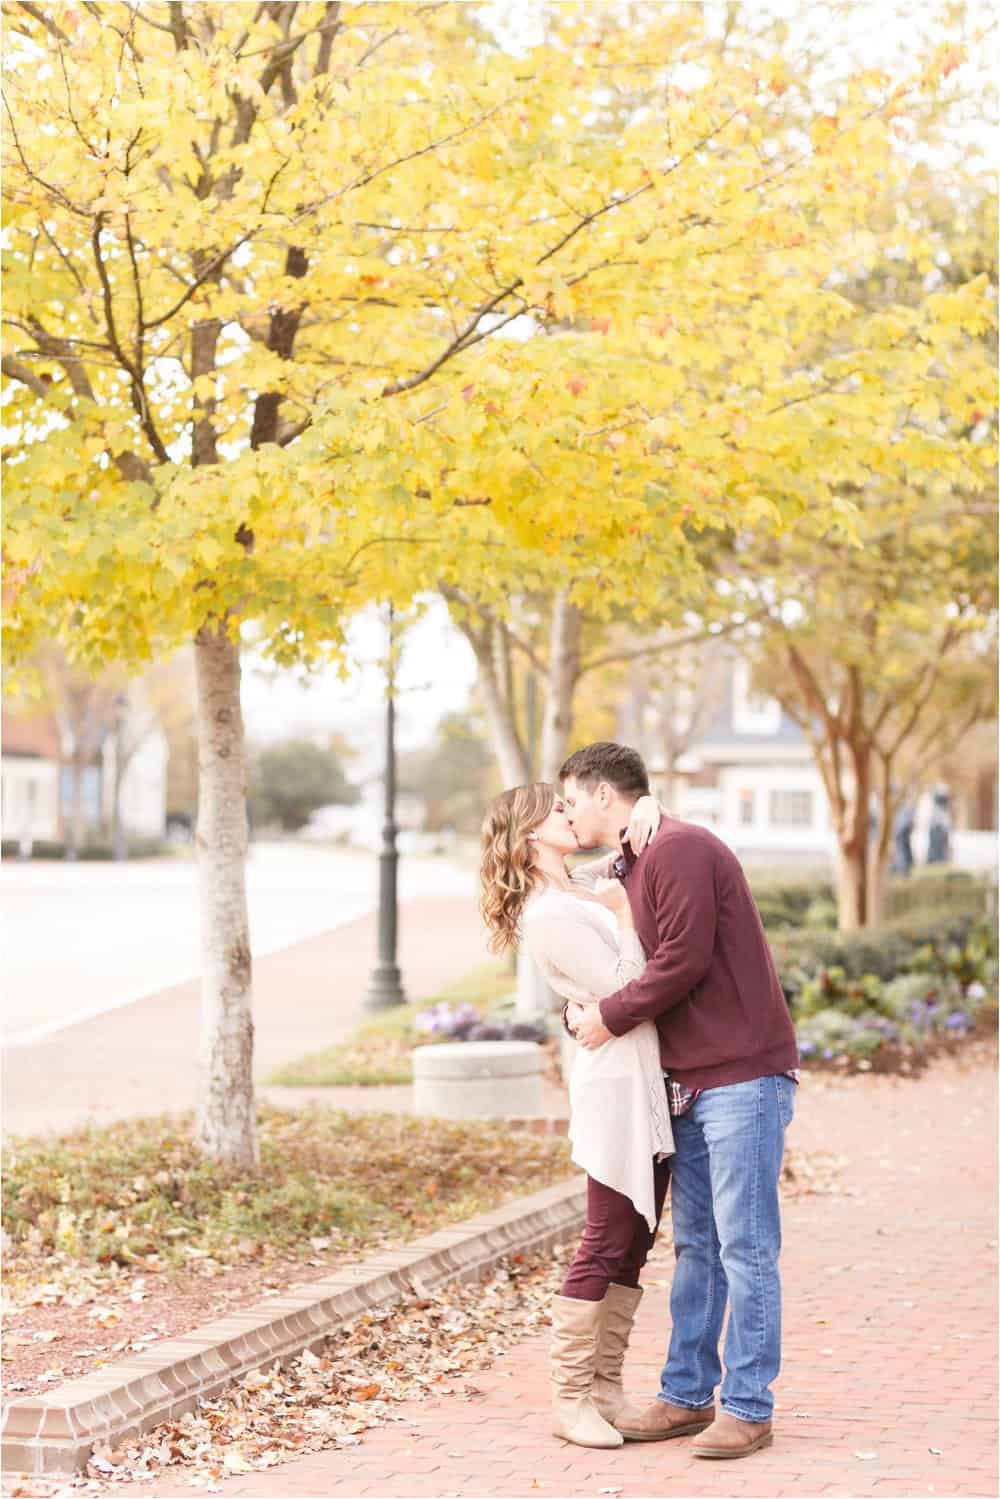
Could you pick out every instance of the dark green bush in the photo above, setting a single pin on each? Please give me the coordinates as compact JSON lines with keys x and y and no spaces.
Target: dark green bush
{"x":48,"y":848}
{"x":809,"y":902}
{"x":891,"y":996}
{"x":786,"y":904}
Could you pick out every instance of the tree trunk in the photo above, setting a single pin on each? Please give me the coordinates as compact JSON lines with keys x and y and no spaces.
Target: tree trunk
{"x":226,"y":1124}
{"x":878,"y":874}
{"x":560,"y":685}
{"x":851,"y":889}
{"x":74,"y":827}
{"x":500,"y":711}
{"x":853,"y":865}
{"x":119,"y":843}
{"x":880,"y":851}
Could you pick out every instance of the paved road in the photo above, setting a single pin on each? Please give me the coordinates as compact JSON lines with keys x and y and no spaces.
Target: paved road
{"x":81,"y":939}
{"x":141,"y":1058}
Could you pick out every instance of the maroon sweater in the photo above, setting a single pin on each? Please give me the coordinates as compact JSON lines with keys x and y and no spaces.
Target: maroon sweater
{"x":710,"y":982}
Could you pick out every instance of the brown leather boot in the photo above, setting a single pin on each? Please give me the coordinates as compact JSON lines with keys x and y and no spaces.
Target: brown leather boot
{"x":728,"y":1436}
{"x":660,"y":1422}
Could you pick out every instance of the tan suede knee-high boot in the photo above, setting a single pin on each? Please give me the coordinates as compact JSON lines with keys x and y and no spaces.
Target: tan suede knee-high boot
{"x":620,"y":1307}
{"x":576,"y":1326}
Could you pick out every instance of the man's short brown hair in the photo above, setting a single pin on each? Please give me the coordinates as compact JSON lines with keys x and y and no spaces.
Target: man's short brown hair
{"x":621,"y":767}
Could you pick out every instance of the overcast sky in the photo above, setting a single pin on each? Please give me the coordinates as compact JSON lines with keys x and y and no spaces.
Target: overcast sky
{"x":436,"y":675}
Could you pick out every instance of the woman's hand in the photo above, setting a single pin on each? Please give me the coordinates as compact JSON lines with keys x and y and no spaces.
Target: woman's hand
{"x":643,"y":824}
{"x":611,"y":893}
{"x":572,"y":1015}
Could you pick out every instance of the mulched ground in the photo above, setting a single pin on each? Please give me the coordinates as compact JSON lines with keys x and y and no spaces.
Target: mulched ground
{"x":73,"y":1328}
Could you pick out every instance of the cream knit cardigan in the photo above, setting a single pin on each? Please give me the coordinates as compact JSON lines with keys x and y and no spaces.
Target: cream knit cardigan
{"x":619,"y":1118}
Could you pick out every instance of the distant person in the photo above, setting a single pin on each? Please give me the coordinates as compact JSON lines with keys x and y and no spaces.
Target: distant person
{"x":902,"y":840}
{"x":939,"y":831}
{"x":728,"y":1049}
{"x":579,"y":929}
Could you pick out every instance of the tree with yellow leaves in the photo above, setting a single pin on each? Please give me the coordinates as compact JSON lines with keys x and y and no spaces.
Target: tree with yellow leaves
{"x":312,"y":304}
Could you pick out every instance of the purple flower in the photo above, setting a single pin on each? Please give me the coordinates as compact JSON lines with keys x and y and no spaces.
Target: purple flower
{"x":828,"y":1055}
{"x":807,"y":1048}
{"x":957,"y":1021}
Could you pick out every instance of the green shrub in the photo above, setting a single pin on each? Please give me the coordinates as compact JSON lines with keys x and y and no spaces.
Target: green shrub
{"x":832,"y":987}
{"x":888,"y":997}
{"x":832,"y":1033}
{"x":909,"y":989}
{"x":785,"y":905}
{"x":47,"y":848}
{"x":798,"y":955}
{"x":821,"y":913}
{"x":935,"y":889}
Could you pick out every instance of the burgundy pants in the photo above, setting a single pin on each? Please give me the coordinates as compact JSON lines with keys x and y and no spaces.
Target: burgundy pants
{"x":615,"y":1241}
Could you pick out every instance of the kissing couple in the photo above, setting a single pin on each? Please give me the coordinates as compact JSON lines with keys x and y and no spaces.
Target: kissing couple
{"x":684,"y":1076}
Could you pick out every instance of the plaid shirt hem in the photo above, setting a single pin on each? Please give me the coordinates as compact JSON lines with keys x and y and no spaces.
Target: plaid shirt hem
{"x":682,"y":1100}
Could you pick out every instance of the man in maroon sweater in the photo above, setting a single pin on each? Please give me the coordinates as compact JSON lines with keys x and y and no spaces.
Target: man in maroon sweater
{"x":728,"y":1049}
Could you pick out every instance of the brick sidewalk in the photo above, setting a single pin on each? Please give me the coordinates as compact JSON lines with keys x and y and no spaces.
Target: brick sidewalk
{"x":890,"y":1339}
{"x":142,"y":1058}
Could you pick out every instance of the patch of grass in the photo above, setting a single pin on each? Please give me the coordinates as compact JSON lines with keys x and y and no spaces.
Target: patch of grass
{"x":379,"y":1050}
{"x":140,"y":1194}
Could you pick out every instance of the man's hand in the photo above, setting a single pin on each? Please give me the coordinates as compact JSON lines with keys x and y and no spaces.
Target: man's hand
{"x":590,"y":1029}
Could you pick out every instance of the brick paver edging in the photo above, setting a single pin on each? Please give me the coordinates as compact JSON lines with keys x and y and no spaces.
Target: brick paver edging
{"x":56,"y":1432}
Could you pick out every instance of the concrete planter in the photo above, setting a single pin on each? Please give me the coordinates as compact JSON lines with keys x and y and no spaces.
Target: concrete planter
{"x":478,"y":1079}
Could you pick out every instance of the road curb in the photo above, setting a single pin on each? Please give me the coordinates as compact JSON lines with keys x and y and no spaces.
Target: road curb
{"x":57,"y":1432}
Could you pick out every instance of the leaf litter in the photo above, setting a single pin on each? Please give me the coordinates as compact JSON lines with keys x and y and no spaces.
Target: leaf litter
{"x":326,"y":1400}
{"x":359,"y":1379}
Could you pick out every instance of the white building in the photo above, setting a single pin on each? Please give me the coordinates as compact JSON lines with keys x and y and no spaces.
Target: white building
{"x":29,"y":768}
{"x":751,"y":778}
{"x":36,"y":778}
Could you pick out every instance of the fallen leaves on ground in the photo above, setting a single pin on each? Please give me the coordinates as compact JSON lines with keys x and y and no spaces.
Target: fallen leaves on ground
{"x":358,"y":1381}
{"x":816,"y":1174}
{"x":362,"y":1375}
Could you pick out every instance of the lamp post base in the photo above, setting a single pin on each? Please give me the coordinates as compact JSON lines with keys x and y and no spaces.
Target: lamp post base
{"x":385,"y":988}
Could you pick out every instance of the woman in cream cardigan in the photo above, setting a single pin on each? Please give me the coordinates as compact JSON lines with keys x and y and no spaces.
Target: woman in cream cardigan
{"x":578,"y":928}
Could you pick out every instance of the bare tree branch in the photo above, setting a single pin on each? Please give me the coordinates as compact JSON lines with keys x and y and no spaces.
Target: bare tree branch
{"x":39,"y":15}
{"x":15,"y":369}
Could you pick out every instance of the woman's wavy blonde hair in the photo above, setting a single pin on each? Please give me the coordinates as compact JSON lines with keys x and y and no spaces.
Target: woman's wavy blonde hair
{"x":506,"y":870}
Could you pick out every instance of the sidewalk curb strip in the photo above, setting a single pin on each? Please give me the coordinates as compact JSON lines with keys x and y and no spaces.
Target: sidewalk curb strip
{"x":56,"y":1432}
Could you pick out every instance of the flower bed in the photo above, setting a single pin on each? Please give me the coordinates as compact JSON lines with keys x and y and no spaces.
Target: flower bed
{"x":463,"y":1022}
{"x":889,"y":999}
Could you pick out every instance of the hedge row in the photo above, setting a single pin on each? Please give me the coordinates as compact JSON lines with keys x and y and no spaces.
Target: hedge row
{"x":787,"y":905}
{"x":45,"y":848}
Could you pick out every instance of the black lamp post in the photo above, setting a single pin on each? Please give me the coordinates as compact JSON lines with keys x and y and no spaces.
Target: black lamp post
{"x":385,"y":987}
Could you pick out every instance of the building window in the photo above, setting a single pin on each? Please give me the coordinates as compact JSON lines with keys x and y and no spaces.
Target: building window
{"x":792,"y":809}
{"x":746,"y":800}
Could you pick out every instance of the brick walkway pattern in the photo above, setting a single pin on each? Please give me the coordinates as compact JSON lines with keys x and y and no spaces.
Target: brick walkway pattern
{"x":889,"y":1381}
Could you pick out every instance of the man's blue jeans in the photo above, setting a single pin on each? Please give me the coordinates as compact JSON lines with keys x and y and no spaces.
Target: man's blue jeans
{"x":727,"y":1237}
